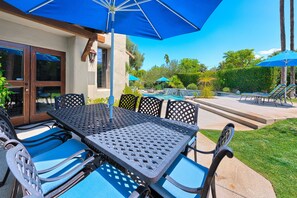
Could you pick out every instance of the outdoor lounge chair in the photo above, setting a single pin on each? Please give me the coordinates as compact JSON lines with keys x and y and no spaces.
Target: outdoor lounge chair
{"x":128,"y":101}
{"x":183,"y":111}
{"x":105,"y":181}
{"x":150,"y":106}
{"x":186,"y":178}
{"x":291,"y":88}
{"x":258,"y":96}
{"x":69,"y":100}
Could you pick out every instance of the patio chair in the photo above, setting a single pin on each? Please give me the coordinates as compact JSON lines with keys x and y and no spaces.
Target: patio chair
{"x":128,"y":101}
{"x":37,"y":144}
{"x":68,"y":159}
{"x":186,"y":178}
{"x":150,"y":106}
{"x":69,"y":100}
{"x":102,"y":182}
{"x":183,"y":111}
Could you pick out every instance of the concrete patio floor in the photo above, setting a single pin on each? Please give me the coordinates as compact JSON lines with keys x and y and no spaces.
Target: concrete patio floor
{"x":266,"y":109}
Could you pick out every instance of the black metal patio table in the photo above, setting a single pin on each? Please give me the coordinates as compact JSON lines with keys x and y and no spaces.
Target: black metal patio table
{"x":143,"y":144}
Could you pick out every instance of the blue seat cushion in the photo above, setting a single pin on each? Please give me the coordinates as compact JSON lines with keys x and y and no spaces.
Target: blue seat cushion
{"x":105,"y":181}
{"x":55,"y":156}
{"x":186,"y":172}
{"x":45,"y":146}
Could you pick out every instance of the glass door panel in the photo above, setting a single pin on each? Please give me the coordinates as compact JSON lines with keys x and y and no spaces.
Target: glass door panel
{"x":15,"y":63}
{"x":47,"y":82}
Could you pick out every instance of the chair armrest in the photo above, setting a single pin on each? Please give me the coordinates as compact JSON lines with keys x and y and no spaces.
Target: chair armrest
{"x":203,"y":152}
{"x":74,"y":170}
{"x":56,"y":135}
{"x":47,"y":123}
{"x":75,"y":155}
{"x":182,"y":187}
{"x":141,"y":191}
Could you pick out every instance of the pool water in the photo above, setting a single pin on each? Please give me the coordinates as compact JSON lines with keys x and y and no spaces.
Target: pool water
{"x":165,"y":97}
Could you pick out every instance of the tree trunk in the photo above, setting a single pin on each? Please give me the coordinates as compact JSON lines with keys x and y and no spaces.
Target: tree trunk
{"x":283,"y":36}
{"x":292,"y":71}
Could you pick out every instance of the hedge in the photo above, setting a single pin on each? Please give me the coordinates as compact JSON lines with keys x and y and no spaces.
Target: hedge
{"x":249,"y":79}
{"x":189,"y":78}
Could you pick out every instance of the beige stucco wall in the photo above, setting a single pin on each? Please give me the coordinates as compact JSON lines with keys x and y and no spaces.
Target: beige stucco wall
{"x":80,"y":76}
{"x":121,"y":58}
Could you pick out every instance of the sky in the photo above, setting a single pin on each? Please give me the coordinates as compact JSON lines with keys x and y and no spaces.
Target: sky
{"x":234,"y":25}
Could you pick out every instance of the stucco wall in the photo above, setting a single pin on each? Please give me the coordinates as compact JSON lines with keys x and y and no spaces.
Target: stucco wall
{"x":121,"y":58}
{"x":80,"y":76}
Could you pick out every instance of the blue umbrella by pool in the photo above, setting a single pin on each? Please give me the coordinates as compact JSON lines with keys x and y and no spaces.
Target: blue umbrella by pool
{"x":157,"y":19}
{"x":133,"y":78}
{"x":283,"y":59}
{"x":162,"y":79}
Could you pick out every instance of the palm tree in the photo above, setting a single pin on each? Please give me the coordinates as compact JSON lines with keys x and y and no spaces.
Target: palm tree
{"x":167,"y":60}
{"x":292,"y":71}
{"x":283,"y":36}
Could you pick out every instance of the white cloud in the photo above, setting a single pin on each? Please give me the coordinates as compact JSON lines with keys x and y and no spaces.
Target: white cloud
{"x":257,"y":56}
{"x":268,"y":52}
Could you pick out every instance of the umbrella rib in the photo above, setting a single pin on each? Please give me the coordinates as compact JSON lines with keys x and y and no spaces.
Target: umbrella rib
{"x":178,"y":15}
{"x":122,"y":4}
{"x":40,"y":6}
{"x":133,"y":4}
{"x":148,"y":20}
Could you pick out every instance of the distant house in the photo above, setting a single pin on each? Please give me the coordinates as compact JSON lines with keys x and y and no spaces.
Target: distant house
{"x":43,"y":58}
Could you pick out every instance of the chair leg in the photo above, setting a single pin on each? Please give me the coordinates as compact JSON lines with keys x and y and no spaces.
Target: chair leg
{"x":195,"y":153}
{"x":213,"y":188}
{"x":5,"y":178}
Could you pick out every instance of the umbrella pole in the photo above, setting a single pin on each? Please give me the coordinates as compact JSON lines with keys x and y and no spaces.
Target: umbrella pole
{"x":285,"y":74}
{"x":111,"y":97}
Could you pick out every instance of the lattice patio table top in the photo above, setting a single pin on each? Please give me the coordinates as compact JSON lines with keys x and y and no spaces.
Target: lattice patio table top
{"x":143,"y":144}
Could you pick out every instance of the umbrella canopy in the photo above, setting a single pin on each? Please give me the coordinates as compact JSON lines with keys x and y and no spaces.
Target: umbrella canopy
{"x":133,"y":78}
{"x":157,"y":19}
{"x":162,"y":79}
{"x":283,"y":59}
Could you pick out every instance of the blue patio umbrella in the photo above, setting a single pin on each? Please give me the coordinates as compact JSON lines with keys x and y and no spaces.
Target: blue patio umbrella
{"x":162,"y":79}
{"x":283,"y":59}
{"x":133,"y":78}
{"x":156,"y":19}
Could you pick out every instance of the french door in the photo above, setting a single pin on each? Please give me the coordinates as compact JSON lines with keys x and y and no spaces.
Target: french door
{"x":35,"y":76}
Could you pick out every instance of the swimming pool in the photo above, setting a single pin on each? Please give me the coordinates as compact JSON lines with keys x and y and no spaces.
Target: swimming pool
{"x":164,"y":97}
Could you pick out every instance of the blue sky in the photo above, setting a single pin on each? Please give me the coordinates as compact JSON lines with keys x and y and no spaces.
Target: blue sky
{"x":234,"y":25}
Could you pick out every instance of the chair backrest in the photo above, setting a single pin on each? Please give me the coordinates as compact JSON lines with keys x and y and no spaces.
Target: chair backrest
{"x":4,"y":112}
{"x":69,"y":100}
{"x":225,"y":137}
{"x":22,"y":167}
{"x":182,"y":111}
{"x":222,"y":152}
{"x":6,"y":127}
{"x":128,"y":101}
{"x":277,"y":91}
{"x":290,"y":88}
{"x":151,"y":106}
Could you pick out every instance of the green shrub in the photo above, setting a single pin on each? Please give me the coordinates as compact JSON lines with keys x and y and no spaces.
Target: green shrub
{"x":97,"y":100}
{"x":226,"y":89}
{"x":175,"y":82}
{"x":4,"y":91}
{"x":249,"y":79}
{"x":207,"y":92}
{"x":187,"y":79}
{"x":192,"y":86}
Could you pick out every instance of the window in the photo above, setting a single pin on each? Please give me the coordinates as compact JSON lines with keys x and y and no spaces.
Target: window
{"x":101,"y":67}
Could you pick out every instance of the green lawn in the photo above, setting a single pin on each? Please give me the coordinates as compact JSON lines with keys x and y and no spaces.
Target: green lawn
{"x":271,"y":151}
